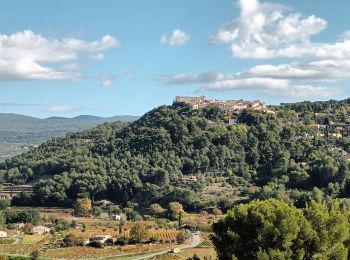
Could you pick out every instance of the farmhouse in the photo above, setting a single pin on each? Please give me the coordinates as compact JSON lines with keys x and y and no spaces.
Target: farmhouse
{"x":40,"y":230}
{"x":100,"y":238}
{"x":103,"y":204}
{"x":3,"y":234}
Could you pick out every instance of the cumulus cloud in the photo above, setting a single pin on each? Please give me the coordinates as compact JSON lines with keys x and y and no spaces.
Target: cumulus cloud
{"x":270,"y":31}
{"x":63,"y":109}
{"x":29,"y":56}
{"x":178,"y":37}
{"x":258,"y":79}
{"x":274,"y":88}
{"x":265,"y":30}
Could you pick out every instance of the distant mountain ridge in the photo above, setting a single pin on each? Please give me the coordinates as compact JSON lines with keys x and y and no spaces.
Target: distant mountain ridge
{"x":13,"y":116}
{"x":20,"y":130}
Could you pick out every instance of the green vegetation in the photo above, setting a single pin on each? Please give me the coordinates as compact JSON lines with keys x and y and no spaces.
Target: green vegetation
{"x":262,"y":156}
{"x":20,"y":133}
{"x":25,"y":216}
{"x":83,"y":207}
{"x":272,"y":229}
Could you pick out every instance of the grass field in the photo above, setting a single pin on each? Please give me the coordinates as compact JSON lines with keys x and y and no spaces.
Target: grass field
{"x":202,"y":253}
{"x":108,"y":252}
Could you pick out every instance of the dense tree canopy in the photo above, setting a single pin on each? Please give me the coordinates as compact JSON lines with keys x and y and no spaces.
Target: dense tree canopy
{"x":272,"y":229}
{"x":261,"y":156}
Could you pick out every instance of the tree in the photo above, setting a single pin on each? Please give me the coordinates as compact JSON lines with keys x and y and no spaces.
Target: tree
{"x":181,"y":238}
{"x":96,"y":212}
{"x":156,"y":210}
{"x":4,"y":204}
{"x":25,"y":216}
{"x":175,"y":210}
{"x":332,"y":228}
{"x":83,"y":207}
{"x":73,"y":240}
{"x":272,"y":229}
{"x":29,"y":216}
{"x":261,"y":229}
{"x":138,"y":232}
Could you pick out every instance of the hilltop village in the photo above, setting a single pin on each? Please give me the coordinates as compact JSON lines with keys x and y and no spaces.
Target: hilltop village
{"x":225,"y":105}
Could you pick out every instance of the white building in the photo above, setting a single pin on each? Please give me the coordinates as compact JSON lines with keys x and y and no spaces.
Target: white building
{"x":3,"y":234}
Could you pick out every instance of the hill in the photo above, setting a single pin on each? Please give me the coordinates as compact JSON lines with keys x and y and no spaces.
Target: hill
{"x":18,"y":133}
{"x":173,"y":153}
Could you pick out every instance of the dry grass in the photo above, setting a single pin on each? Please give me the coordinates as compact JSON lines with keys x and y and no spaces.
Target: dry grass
{"x":89,"y":252}
{"x":209,"y":253}
{"x":202,"y":253}
{"x":19,"y":249}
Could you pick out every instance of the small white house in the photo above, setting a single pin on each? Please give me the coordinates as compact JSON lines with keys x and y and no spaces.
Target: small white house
{"x":3,"y":234}
{"x":100,"y":238}
{"x":114,"y":217}
{"x":41,"y":230}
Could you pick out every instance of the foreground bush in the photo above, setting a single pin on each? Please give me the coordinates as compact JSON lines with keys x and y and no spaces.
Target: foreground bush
{"x":73,"y":240}
{"x":272,"y":229}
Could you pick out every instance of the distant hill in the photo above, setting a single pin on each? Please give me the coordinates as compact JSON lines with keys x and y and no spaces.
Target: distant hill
{"x":198,"y":158}
{"x":19,"y":132}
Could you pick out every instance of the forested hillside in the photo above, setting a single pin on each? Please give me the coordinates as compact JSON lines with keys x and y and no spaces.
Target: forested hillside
{"x":262,"y":155}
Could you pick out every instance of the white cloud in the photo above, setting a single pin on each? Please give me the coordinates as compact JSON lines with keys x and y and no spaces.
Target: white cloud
{"x":314,"y":71}
{"x":110,"y":79}
{"x":271,"y":87}
{"x":265,"y":30}
{"x":16,"y":104}
{"x":194,"y":78}
{"x":286,"y":80}
{"x":29,"y":56}
{"x":178,"y":37}
{"x":268,"y":31}
{"x":107,"y":80}
{"x":63,"y":109}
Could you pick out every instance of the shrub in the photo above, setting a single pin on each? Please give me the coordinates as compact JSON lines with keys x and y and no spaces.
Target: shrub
{"x":153,"y":240}
{"x":73,"y":240}
{"x":96,"y":244}
{"x":4,"y":204}
{"x":122,"y":241}
{"x":181,"y":238}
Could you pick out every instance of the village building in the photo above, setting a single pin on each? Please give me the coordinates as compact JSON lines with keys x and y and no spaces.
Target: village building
{"x":225,"y":105}
{"x":103,"y":204}
{"x":41,"y":230}
{"x":114,"y":217}
{"x":100,"y":238}
{"x":19,"y":226}
{"x":3,"y":233}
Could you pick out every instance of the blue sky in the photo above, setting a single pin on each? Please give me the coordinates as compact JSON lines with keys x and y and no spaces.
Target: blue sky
{"x":64,"y":58}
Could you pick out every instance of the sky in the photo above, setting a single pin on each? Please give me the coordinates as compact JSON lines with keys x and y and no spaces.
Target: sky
{"x":106,"y":58}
